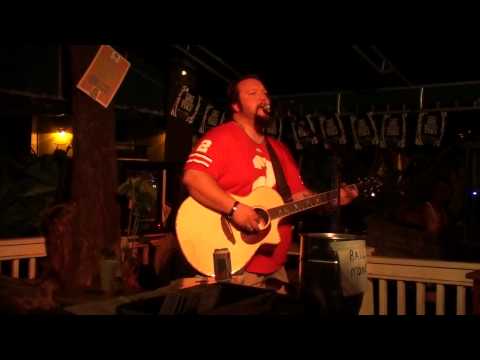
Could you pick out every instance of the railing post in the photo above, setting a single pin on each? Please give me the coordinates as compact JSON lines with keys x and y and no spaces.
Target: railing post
{"x":440,"y":300}
{"x":420,"y":299}
{"x":383,"y":308}
{"x":475,"y":275}
{"x":367,"y":307}
{"x":16,"y":268}
{"x":32,"y":268}
{"x":401,"y":298}
{"x":461,"y":300}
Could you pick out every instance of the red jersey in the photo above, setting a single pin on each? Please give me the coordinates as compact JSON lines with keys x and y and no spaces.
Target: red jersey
{"x":239,"y":165}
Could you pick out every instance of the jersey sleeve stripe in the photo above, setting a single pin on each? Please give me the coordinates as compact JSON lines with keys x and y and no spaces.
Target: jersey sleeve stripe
{"x":201,"y":162}
{"x":206,"y":158}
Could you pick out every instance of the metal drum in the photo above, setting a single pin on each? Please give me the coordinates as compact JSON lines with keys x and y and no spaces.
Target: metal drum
{"x":333,"y":272}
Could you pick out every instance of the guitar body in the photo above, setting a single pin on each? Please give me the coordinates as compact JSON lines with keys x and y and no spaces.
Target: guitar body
{"x":200,"y":231}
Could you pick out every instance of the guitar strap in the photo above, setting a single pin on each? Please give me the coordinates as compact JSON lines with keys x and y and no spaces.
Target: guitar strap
{"x":282,"y":185}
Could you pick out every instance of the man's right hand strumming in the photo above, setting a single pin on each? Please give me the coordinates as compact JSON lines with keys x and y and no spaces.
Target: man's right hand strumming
{"x":245,"y":218}
{"x":205,"y":190}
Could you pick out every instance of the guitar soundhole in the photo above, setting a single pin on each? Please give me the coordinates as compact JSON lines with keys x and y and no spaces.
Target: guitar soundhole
{"x":265,"y":219}
{"x":253,"y":238}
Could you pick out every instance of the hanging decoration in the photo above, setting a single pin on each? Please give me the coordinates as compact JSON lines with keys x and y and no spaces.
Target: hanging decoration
{"x":292,"y":120}
{"x":311,"y":127}
{"x":222,"y":118}
{"x":186,"y":105}
{"x":304,"y":131}
{"x":364,"y":130}
{"x":275,"y":126}
{"x":332,"y":130}
{"x":314,"y":137}
{"x":210,"y":119}
{"x":430,"y":128}
{"x":394,"y":129}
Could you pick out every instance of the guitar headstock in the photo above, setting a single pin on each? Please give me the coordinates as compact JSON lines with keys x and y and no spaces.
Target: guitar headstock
{"x":369,"y":186}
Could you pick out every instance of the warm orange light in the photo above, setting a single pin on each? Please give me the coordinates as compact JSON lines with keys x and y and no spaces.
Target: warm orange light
{"x":184,"y":72}
{"x":62,"y":137}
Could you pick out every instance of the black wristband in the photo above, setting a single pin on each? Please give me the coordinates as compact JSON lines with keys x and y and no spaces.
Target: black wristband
{"x":233,"y":209}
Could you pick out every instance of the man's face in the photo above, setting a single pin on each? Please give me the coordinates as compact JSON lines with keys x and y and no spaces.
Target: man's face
{"x":252,"y":97}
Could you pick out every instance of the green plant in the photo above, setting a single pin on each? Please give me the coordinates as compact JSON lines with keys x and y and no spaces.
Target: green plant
{"x":141,"y":194}
{"x":28,"y":189}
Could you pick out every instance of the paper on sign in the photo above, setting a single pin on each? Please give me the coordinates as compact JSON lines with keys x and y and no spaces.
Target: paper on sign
{"x":352,"y":256}
{"x":104,"y":75}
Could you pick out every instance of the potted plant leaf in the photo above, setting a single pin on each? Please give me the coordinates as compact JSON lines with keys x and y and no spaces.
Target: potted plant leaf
{"x":141,"y":194}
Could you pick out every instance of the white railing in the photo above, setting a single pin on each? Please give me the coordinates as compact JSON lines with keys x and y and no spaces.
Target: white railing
{"x":140,"y":249}
{"x":18,"y":250}
{"x":425,"y":274}
{"x":22,"y":249}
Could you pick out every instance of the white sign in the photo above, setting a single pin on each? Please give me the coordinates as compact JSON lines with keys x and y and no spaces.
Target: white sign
{"x":104,"y":75}
{"x":352,"y":256}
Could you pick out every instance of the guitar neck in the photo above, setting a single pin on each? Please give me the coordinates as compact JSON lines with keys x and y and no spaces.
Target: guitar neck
{"x":299,"y":206}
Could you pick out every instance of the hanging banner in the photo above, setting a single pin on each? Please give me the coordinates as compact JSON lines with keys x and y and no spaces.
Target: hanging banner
{"x":430,"y":128}
{"x":275,"y":126}
{"x":304,"y":131}
{"x":364,"y":131}
{"x":104,"y":75}
{"x":394,"y":130}
{"x":223,"y":118}
{"x":210,"y":119}
{"x":314,"y":139}
{"x":186,"y":105}
{"x":332,"y":130}
{"x":292,"y":120}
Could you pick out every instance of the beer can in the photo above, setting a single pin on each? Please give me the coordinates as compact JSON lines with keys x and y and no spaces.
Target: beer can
{"x":222,"y":264}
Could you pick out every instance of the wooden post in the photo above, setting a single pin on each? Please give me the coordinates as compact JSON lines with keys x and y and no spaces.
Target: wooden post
{"x":96,"y":223}
{"x":475,"y":275}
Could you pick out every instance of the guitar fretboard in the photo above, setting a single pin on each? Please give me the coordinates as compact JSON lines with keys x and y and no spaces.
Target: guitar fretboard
{"x":304,"y":204}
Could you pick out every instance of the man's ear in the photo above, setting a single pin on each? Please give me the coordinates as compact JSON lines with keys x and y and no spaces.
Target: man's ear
{"x":235,"y":107}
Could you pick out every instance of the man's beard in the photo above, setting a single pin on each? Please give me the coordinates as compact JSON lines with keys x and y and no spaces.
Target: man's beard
{"x":263,"y":121}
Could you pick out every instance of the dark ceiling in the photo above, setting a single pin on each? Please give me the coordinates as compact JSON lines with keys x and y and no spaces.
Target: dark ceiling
{"x":295,"y":68}
{"x":292,"y":68}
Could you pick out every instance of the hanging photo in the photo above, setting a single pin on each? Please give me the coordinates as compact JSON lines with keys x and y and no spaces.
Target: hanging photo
{"x":186,"y":105}
{"x":314,"y":137}
{"x":394,"y":129}
{"x":222,"y":118}
{"x":430,"y":128}
{"x":275,"y":126}
{"x":292,"y":120}
{"x":332,"y":130}
{"x":211,"y":118}
{"x":364,"y":130}
{"x":304,"y":132}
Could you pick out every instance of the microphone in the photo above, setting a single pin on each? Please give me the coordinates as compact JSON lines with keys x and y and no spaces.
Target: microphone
{"x":267,"y":108}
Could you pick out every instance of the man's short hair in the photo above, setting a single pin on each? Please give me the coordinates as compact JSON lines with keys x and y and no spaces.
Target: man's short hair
{"x":233,"y":94}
